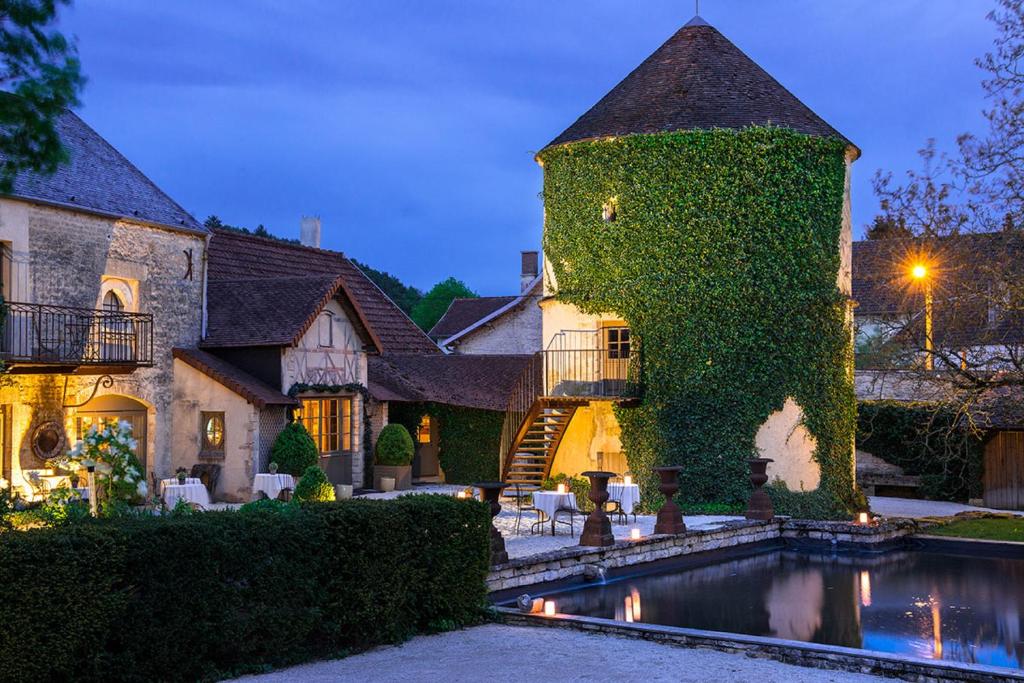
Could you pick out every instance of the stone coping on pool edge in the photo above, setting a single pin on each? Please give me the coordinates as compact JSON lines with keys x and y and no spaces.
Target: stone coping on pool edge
{"x":787,"y":651}
{"x":572,"y":561}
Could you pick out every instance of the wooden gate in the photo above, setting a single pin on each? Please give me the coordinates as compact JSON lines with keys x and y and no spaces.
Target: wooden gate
{"x":1004,"y":471}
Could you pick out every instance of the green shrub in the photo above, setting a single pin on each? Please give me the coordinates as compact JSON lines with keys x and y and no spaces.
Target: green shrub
{"x":816,"y":504}
{"x":314,"y":487}
{"x":394,"y":446}
{"x":468,"y":438}
{"x":924,"y":439}
{"x":217,"y":594}
{"x":294,"y":450}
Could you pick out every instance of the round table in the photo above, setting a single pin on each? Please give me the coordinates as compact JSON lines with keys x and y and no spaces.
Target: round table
{"x":272,"y":484}
{"x":173,"y":481}
{"x":193,"y":493}
{"x":625,"y":496}
{"x":549,"y":502}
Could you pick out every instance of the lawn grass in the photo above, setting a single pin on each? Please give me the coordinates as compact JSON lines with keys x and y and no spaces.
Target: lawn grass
{"x":984,"y":529}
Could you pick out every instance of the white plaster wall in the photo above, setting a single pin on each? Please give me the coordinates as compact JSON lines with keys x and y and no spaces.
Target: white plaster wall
{"x":194,"y":393}
{"x":309,"y":363}
{"x":784,"y":439}
{"x":592,"y":442}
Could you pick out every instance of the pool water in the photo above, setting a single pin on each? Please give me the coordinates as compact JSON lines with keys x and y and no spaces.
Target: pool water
{"x":911,"y":602}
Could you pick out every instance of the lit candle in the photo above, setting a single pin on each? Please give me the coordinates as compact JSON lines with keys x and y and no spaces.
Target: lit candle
{"x":561,"y":488}
{"x":627,"y":480}
{"x":863,"y":518}
{"x":635,"y":534}
{"x":549,"y":608}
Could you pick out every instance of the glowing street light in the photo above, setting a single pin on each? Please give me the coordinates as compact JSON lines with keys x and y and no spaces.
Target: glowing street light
{"x":919,"y":272}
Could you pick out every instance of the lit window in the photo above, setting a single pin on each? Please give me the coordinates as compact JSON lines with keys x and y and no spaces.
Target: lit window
{"x":423,"y":431}
{"x":212,"y":432}
{"x":329,"y":422}
{"x":610,"y":210}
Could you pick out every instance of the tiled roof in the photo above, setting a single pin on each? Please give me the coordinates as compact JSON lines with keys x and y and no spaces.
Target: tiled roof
{"x":473,"y":381}
{"x":696,"y":80}
{"x":462,"y":313}
{"x":235,"y":256}
{"x":245,"y":385}
{"x":98,"y":179}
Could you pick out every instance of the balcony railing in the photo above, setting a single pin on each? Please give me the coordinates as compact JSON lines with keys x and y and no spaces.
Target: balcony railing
{"x":583,"y":374}
{"x":43,"y":338}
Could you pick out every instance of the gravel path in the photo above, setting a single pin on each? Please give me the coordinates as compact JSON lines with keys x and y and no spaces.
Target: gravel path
{"x":908,"y":507}
{"x":516,"y":653}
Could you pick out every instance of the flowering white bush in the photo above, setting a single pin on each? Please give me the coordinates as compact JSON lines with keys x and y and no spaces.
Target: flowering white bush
{"x":110,"y":450}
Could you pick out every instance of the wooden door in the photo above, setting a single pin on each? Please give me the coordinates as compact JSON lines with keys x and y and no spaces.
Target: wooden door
{"x":1004,"y":471}
{"x":615,"y":359}
{"x":426,"y":462}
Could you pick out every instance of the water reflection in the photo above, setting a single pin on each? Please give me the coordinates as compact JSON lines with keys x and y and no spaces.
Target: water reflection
{"x":923,"y":604}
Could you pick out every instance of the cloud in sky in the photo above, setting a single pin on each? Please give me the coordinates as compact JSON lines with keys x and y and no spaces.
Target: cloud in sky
{"x":410,"y":126}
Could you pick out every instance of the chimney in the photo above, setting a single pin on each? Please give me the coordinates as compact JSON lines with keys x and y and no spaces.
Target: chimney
{"x":309,"y":231}
{"x":531,"y":263}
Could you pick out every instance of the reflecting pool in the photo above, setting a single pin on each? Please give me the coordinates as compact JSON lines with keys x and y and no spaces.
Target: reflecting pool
{"x":919,"y":603}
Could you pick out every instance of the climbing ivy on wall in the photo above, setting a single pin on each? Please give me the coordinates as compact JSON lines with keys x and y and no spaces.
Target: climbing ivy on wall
{"x":468,"y":438}
{"x":722,"y":257}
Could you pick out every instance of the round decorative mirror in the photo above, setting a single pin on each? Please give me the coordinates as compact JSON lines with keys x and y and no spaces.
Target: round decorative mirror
{"x":48,"y":440}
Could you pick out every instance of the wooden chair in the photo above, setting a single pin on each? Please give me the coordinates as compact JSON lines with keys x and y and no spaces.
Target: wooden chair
{"x":285,"y":495}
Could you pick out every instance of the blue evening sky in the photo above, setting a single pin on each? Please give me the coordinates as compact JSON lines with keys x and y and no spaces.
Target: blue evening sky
{"x":410,"y":126}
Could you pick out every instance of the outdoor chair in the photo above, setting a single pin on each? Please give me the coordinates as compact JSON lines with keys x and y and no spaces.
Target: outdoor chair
{"x":285,"y":495}
{"x":208,"y":474}
{"x":618,"y":512}
{"x":571,"y":512}
{"x":520,"y":492}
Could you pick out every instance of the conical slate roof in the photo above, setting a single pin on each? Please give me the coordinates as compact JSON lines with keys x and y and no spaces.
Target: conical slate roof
{"x":696,"y":80}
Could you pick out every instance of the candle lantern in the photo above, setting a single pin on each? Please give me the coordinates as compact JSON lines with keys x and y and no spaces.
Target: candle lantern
{"x":561,"y":488}
{"x":635,"y":534}
{"x":549,"y":608}
{"x":863,"y":518}
{"x":627,"y":480}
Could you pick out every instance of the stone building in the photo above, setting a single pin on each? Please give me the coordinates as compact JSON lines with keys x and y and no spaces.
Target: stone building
{"x":697,"y":80}
{"x":102,"y":275}
{"x":496,"y":324}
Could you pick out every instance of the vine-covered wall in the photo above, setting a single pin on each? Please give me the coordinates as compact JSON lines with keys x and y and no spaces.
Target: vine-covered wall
{"x":723,"y":258}
{"x":468,"y":438}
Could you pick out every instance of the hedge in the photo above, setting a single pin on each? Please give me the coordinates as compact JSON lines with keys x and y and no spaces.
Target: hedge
{"x":723,"y":259}
{"x":468,"y":438}
{"x":927,"y":440}
{"x":216,"y":594}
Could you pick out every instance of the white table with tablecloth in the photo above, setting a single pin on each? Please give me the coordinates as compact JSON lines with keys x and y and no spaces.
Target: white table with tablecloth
{"x":272,"y":484}
{"x":549,"y":502}
{"x":626,"y":495}
{"x":164,"y":483}
{"x":189,"y":492}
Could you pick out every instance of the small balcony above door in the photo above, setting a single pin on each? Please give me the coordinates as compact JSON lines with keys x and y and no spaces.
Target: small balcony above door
{"x":44,"y":339}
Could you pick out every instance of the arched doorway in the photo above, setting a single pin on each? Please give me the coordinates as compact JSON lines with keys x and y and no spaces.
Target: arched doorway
{"x":110,"y":409}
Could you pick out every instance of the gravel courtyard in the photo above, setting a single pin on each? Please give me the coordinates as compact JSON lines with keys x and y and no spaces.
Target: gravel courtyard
{"x":515,"y":653}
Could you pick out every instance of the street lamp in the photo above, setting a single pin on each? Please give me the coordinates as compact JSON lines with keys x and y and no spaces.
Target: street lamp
{"x":919,"y":272}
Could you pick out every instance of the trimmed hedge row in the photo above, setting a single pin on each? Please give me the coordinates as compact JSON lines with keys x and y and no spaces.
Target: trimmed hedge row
{"x":217,"y":594}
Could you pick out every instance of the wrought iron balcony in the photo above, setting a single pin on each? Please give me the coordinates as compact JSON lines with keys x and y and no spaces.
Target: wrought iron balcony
{"x":38,"y":338}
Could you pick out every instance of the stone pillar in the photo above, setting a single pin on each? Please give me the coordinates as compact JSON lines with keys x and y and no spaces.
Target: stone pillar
{"x":489,"y":492}
{"x":760,"y":505}
{"x":597,"y":530}
{"x":670,"y":517}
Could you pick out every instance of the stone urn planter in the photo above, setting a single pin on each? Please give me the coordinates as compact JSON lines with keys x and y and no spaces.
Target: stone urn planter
{"x":597,"y":530}
{"x":489,"y":492}
{"x":670,"y":517}
{"x":760,"y":505}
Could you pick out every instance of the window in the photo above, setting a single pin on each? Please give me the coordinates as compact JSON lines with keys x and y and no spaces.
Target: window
{"x":112,"y":302}
{"x":617,"y":339}
{"x":423,"y":431}
{"x":326,"y":330}
{"x":329,"y":422}
{"x":610,"y":210}
{"x":212,"y":433}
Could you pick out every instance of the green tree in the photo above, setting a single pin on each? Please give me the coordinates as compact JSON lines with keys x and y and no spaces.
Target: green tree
{"x":432,"y":306}
{"x":41,"y":77}
{"x":405,"y":296}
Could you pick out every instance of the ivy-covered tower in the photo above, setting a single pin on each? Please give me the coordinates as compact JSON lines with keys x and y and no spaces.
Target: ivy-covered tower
{"x":701,"y":212}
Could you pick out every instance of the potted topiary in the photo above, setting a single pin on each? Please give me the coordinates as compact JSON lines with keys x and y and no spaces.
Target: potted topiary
{"x":393,"y":453}
{"x":294,"y":450}
{"x":273,"y":468}
{"x":182,"y":475}
{"x":314,"y":487}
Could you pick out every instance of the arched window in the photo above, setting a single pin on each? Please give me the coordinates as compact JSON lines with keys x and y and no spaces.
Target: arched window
{"x":112,"y":302}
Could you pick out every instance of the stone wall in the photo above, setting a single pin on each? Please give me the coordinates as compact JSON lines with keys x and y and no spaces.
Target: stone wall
{"x":61,"y":257}
{"x":516,"y":332}
{"x":572,"y":561}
